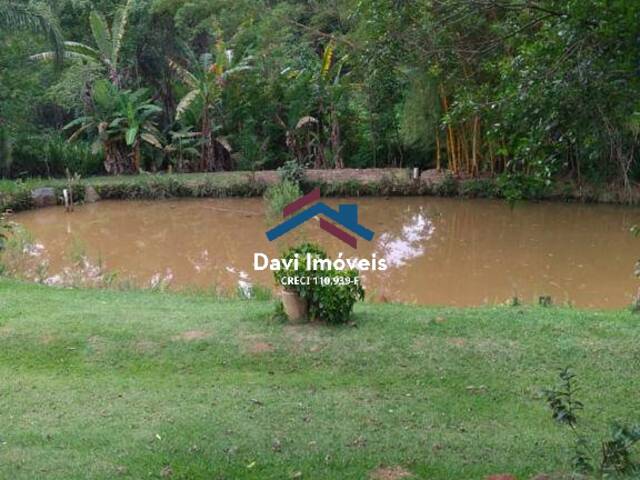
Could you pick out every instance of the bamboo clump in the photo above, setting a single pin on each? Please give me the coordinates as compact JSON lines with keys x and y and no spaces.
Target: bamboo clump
{"x":469,"y":152}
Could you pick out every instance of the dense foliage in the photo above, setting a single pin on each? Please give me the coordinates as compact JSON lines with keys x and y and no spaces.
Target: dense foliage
{"x":330,"y":293}
{"x":532,"y":90}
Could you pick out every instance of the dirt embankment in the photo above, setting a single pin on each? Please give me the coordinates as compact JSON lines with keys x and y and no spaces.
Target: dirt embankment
{"x":345,"y":182}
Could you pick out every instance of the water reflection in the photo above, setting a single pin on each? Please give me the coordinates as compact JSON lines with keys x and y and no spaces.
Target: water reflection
{"x":409,"y":243}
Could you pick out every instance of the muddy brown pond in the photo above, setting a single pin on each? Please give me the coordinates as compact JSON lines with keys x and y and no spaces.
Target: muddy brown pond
{"x":439,"y":251}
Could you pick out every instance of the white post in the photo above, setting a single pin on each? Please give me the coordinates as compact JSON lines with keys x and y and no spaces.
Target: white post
{"x":65,"y":194}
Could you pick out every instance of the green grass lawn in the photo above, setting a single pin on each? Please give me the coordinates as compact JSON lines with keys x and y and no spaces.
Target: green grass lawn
{"x":105,"y":384}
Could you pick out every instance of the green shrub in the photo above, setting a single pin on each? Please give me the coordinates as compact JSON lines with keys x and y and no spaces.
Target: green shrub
{"x":279,"y":196}
{"x":334,"y":302}
{"x":18,"y":198}
{"x":292,"y":171}
{"x":479,"y":188}
{"x":330,"y":293}
{"x":610,"y":457}
{"x":305,"y":291}
{"x":515,"y":187}
{"x":448,"y":187}
{"x":51,"y":155}
{"x":5,"y":227}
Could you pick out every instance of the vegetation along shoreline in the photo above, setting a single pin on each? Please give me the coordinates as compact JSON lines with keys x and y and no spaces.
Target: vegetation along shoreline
{"x":37,"y":192}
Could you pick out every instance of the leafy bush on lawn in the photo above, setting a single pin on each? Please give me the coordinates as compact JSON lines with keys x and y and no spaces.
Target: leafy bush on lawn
{"x":330,"y":300}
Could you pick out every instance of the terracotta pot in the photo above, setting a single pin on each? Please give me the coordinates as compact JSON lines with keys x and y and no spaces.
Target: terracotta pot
{"x":295,"y":307}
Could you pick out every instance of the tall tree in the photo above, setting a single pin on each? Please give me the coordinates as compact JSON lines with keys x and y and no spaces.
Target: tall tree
{"x":205,"y":81}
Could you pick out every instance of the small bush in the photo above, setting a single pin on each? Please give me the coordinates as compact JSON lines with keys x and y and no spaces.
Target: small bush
{"x":279,"y":196}
{"x":448,"y":187}
{"x":332,"y":301}
{"x":479,"y":188}
{"x":521,"y":187}
{"x":51,"y":155}
{"x":605,"y":458}
{"x":292,"y":171}
{"x":5,"y":228}
{"x":18,"y":199}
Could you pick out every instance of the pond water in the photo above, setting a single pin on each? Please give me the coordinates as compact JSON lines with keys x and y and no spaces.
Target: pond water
{"x":440,"y":251}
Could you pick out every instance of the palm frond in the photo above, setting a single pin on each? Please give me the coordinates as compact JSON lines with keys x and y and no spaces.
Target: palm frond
{"x":80,"y":131}
{"x":185,"y":75}
{"x":186,"y":101}
{"x":234,"y":71}
{"x":338,"y":69}
{"x":101,"y":35}
{"x":51,"y":56}
{"x":151,"y":140}
{"x":118,"y":30}
{"x":34,"y":16}
{"x":83,"y":49}
{"x":131,"y":134}
{"x":304,"y":121}
{"x":76,"y":122}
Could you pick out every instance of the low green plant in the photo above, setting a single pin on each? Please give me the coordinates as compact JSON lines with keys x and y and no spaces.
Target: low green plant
{"x":292,"y":171}
{"x":478,"y":188}
{"x":514,"y":187}
{"x":50,"y":155}
{"x":330,"y":293}
{"x":333,"y":302}
{"x":448,"y":187}
{"x":301,"y":251}
{"x":279,"y":196}
{"x":5,"y":227}
{"x":254,"y":292}
{"x":613,"y":455}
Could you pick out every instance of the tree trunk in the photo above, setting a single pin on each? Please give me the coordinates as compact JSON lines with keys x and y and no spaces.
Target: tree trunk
{"x":116,"y":161}
{"x":207,"y":159}
{"x":336,"y":141}
{"x":136,"y":156}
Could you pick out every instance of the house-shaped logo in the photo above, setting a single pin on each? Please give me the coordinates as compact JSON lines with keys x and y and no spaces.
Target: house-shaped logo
{"x":346,"y":216}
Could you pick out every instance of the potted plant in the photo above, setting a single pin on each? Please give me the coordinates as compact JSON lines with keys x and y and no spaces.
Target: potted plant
{"x":295,"y":307}
{"x":305,"y":298}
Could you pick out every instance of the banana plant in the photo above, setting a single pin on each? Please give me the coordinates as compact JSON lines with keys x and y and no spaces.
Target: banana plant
{"x":319,"y":135}
{"x":332,"y":89}
{"x":181,"y":148}
{"x":206,"y":80}
{"x":108,"y":43}
{"x":121,"y":121}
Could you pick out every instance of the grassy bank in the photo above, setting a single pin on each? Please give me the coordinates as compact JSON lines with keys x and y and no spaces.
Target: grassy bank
{"x":16,"y":195}
{"x":102,"y":385}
